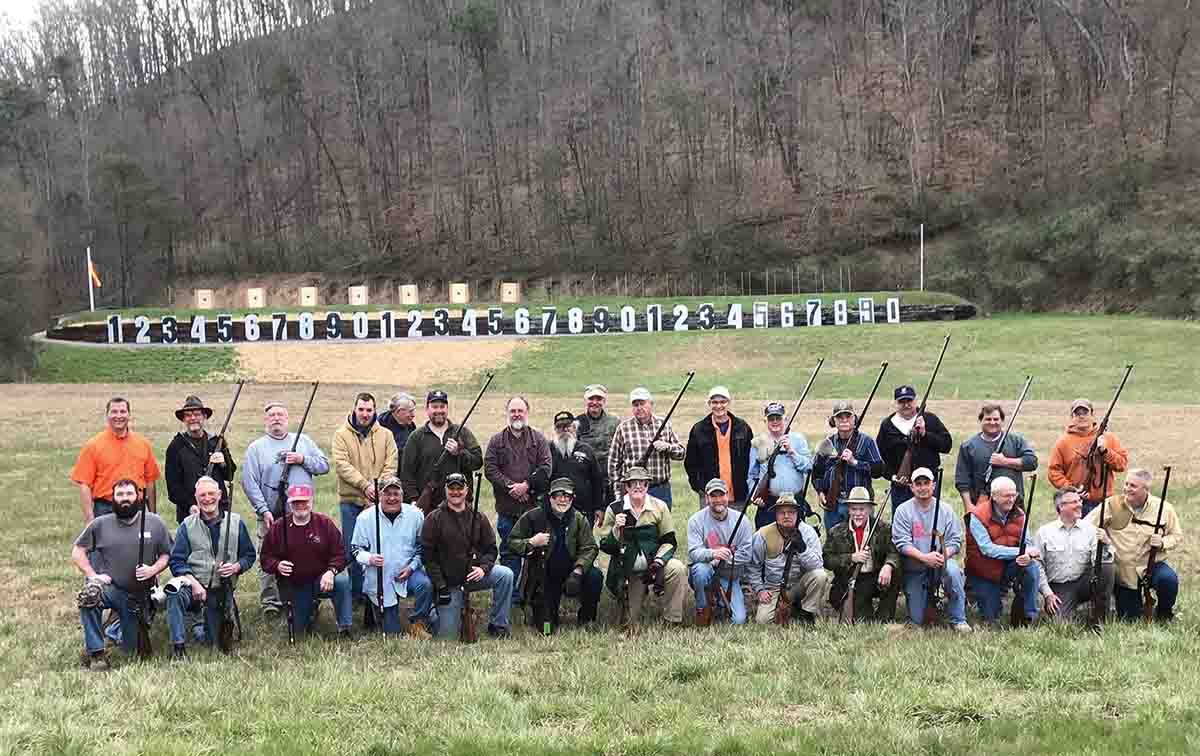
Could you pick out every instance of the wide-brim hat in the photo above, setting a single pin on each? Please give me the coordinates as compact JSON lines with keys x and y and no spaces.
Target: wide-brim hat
{"x":860,"y":495}
{"x":193,"y":403}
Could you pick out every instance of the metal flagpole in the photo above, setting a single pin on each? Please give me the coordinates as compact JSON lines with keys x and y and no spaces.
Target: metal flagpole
{"x":91,"y":289}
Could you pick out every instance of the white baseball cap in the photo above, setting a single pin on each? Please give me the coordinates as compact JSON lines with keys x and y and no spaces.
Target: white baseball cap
{"x":719,"y":391}
{"x":640,"y":394}
{"x":595,"y":389}
{"x":922,"y":472}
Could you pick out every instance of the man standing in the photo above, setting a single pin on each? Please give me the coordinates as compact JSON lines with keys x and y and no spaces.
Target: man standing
{"x":914,"y":533}
{"x":363,"y":452}
{"x":424,"y":467}
{"x":716,"y":568}
{"x":1068,"y":548}
{"x":458,"y":549}
{"x":557,"y":543}
{"x":785,"y":557}
{"x":1129,"y":519}
{"x":640,"y":537}
{"x":993,"y":559}
{"x":929,"y":440}
{"x":846,"y":546}
{"x":517,"y":464}
{"x":631,"y":440}
{"x":399,"y":420}
{"x":1069,"y":464}
{"x":979,"y":452}
{"x":106,"y":552}
{"x":188,"y":456}
{"x":209,"y":548}
{"x":312,"y":562}
{"x":576,"y":461}
{"x":267,"y":458}
{"x":596,"y":428}
{"x":785,"y":473}
{"x":719,"y":447}
{"x":113,"y":454}
{"x":399,"y":554}
{"x":861,"y":457}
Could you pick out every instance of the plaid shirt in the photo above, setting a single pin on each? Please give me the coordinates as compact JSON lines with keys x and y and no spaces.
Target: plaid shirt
{"x":630,"y":443}
{"x":867,"y":454}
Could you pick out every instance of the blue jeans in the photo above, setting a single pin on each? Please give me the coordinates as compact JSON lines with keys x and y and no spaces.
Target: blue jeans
{"x":1165,"y":583}
{"x":990,"y":595}
{"x":500,"y":580}
{"x":662,"y":491}
{"x":421,"y":592}
{"x":701,"y":574}
{"x":952,"y":584}
{"x":182,"y":602}
{"x":833,"y":518}
{"x":112,"y":598}
{"x":504,"y":526}
{"x":350,"y":512}
{"x":306,"y":595}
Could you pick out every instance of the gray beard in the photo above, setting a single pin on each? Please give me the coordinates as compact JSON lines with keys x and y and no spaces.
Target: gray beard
{"x":566,"y":447}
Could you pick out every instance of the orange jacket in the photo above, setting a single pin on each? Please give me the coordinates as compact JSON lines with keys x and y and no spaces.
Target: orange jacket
{"x":1068,"y":461}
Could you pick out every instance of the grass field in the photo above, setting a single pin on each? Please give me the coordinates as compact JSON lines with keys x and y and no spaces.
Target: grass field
{"x":717,"y":691}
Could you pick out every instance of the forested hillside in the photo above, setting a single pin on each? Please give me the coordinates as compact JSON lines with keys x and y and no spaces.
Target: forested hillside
{"x":526,"y":137}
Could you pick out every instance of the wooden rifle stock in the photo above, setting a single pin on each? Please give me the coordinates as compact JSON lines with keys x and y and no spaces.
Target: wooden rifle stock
{"x":1095,"y":457}
{"x":1016,"y":612}
{"x":1146,"y":584}
{"x":838,"y":481}
{"x":142,"y":595}
{"x":846,"y":613}
{"x":783,"y":603}
{"x":225,"y":622}
{"x":468,"y":632}
{"x":904,"y":472}
{"x":424,"y":500}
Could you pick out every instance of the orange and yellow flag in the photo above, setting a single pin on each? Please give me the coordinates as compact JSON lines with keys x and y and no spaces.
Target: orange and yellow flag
{"x":92,"y":272}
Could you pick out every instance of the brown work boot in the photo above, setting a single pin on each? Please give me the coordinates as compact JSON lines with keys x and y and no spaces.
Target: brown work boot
{"x":704,"y":617}
{"x":419,"y":631}
{"x":97,"y":662}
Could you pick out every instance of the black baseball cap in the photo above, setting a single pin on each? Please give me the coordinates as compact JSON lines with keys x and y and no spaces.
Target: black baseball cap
{"x":563,"y":417}
{"x":456,"y":479}
{"x":774,"y":409}
{"x":437,"y":395}
{"x":905,"y":392}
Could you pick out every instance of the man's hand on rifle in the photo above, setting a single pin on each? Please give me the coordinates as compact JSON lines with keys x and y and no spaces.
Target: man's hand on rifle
{"x":662,"y":446}
{"x":375,"y":560}
{"x":101,"y":578}
{"x":934,"y":559}
{"x":294,"y":458}
{"x":885,"y":576}
{"x":1052,"y":602}
{"x":658,"y":576}
{"x":1100,"y":443}
{"x":722,"y":554}
{"x":452,"y":447}
{"x":228,"y":569}
{"x":1102,"y":536}
{"x":268,"y":519}
{"x":1156,"y":541}
{"x":573,"y":582}
{"x":144,"y":573}
{"x":785,"y":445}
{"x":475,"y":575}
{"x":599,"y":518}
{"x":859,"y":557}
{"x":285,"y":568}
{"x":847,"y":456}
{"x":764,"y":597}
{"x":619,"y":522}
{"x":539,"y":540}
{"x":216,"y":458}
{"x":919,"y":425}
{"x":999,"y":460}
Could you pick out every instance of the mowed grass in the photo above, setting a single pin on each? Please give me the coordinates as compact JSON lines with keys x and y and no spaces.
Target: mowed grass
{"x":717,"y":691}
{"x":68,"y":363}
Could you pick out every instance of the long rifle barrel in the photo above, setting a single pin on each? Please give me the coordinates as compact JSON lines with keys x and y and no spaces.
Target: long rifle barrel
{"x":932,"y":378}
{"x":466,"y":418}
{"x":1011,"y":419}
{"x":666,"y":419}
{"x":761,"y":486}
{"x":225,"y":425}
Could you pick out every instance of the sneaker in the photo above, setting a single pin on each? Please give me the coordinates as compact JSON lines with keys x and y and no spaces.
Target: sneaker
{"x":419,"y":631}
{"x":498,"y":632}
{"x":179,"y":653}
{"x":962,"y":627}
{"x":97,"y":662}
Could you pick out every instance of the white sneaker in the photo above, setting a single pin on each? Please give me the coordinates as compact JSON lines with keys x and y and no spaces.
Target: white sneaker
{"x":963,"y":627}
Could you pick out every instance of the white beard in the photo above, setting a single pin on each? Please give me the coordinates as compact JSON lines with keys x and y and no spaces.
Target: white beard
{"x":565,"y":446}
{"x":517,"y":426}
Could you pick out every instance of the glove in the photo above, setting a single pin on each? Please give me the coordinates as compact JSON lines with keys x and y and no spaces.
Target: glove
{"x":443,"y":597}
{"x":658,"y":576}
{"x":572,"y":584}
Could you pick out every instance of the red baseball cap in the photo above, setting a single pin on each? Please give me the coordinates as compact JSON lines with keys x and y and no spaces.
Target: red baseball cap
{"x":300,"y":491}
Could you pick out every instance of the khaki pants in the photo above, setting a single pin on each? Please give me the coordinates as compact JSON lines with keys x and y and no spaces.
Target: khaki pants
{"x":269,"y":589}
{"x":807,"y":593}
{"x":676,"y":585}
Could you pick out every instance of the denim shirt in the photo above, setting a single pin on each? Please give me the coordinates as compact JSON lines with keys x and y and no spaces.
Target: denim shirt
{"x":401,"y":548}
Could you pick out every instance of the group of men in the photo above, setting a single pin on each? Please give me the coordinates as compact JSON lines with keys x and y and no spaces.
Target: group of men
{"x":408,"y":530}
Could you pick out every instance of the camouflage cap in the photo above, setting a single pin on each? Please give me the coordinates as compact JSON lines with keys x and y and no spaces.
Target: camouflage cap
{"x":636,"y":473}
{"x":841,"y":407}
{"x":390,"y":481}
{"x":562,"y":485}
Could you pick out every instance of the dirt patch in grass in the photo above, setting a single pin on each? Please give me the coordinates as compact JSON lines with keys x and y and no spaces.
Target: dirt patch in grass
{"x":402,"y":363}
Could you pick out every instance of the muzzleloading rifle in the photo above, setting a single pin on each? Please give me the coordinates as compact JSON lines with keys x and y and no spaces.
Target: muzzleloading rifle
{"x":284,"y":583}
{"x":220,"y":439}
{"x":141,"y":594}
{"x":783,"y":602}
{"x":846,"y":613}
{"x":986,"y":494}
{"x":379,"y":550}
{"x":468,"y":630}
{"x":762,"y":486}
{"x":425,"y":501}
{"x":1146,"y":582}
{"x":1097,"y":467}
{"x":1098,"y":613}
{"x":933,"y":575}
{"x":227,"y":614}
{"x":1016,"y":613}
{"x":904,"y":471}
{"x":838,"y":481}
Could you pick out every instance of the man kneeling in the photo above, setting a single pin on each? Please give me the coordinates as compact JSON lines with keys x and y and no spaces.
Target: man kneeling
{"x":786,"y":558}
{"x":846,"y":545}
{"x":203,"y":563}
{"x":559,"y":548}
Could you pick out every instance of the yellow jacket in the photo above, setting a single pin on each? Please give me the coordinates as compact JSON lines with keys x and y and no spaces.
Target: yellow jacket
{"x":359,"y":460}
{"x":1129,"y":531}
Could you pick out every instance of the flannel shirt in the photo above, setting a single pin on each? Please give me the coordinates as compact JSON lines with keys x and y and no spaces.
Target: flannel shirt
{"x":631,"y":441}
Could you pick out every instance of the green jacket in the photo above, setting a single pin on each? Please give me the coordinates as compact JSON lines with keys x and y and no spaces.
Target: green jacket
{"x":653,"y":537}
{"x":581,"y":544}
{"x":422,"y":452}
{"x":598,"y":434}
{"x":839,"y":545}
